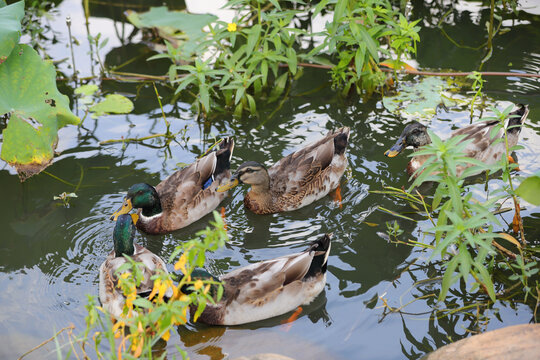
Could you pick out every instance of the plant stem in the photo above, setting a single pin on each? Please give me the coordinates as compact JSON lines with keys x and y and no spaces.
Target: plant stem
{"x":68,"y":23}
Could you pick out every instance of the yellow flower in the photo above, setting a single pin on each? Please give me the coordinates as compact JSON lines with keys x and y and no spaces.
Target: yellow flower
{"x":166,"y":335}
{"x":198,"y":284}
{"x":181,"y":264}
{"x":231,"y":27}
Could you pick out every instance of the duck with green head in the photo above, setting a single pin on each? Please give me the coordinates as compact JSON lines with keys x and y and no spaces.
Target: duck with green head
{"x":184,"y":197}
{"x":296,"y":180}
{"x":110,"y":294}
{"x":482,"y":144}
{"x":267,"y":288}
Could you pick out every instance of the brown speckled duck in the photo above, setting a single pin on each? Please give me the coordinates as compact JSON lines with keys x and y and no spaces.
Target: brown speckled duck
{"x":268,"y":288}
{"x":184,"y":197}
{"x":110,"y":295}
{"x":483,"y":146}
{"x":296,"y":180}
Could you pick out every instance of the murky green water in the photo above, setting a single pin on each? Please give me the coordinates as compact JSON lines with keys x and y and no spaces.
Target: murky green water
{"x":49,"y":255}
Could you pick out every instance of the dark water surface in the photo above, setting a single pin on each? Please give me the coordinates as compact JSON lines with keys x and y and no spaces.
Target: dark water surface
{"x":50,"y":255}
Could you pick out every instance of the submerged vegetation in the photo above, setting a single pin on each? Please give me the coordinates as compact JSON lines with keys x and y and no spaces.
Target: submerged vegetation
{"x":467,"y":259}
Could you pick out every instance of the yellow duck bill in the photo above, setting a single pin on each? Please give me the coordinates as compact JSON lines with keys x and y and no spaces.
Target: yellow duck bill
{"x":396,"y":149}
{"x":126,"y":208}
{"x":232,"y":183}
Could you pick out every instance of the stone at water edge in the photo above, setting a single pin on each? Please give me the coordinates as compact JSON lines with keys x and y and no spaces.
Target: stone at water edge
{"x":518,"y":342}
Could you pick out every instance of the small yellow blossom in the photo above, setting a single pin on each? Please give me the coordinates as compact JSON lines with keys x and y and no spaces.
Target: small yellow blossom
{"x":166,"y":336}
{"x":231,"y":27}
{"x":181,"y":264}
{"x":198,"y":284}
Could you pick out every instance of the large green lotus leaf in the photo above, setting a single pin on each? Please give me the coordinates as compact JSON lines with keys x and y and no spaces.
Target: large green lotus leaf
{"x":35,"y":108}
{"x":161,"y":17}
{"x":10,"y":28}
{"x":420,"y":100}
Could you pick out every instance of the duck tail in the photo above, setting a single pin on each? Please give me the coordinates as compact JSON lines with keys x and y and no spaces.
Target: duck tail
{"x":321,"y":247}
{"x":341,"y":139}
{"x":224,"y":155}
{"x":517,"y":118}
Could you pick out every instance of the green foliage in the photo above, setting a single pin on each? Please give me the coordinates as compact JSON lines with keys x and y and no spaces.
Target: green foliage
{"x":462,"y":225}
{"x":148,"y":321}
{"x":529,"y":189}
{"x":356,"y":35}
{"x":36,"y":110}
{"x":254,"y":58}
{"x":10,"y":28}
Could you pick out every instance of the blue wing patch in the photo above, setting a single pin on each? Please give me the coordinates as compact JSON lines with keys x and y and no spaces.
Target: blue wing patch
{"x":208,"y":182}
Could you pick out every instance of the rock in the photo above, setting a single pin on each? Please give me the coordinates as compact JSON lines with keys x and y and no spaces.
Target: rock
{"x":518,"y":342}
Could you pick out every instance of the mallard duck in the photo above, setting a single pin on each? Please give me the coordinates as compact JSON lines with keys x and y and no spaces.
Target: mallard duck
{"x":184,"y":197}
{"x":483,"y":145}
{"x":268,"y":288}
{"x":296,"y":180}
{"x":110,"y":295}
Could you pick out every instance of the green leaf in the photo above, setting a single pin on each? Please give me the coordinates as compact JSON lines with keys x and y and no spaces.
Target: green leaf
{"x":253,"y":37}
{"x":252,"y":105}
{"x":291,"y":56}
{"x":37,"y":110}
{"x":448,"y":278}
{"x":113,"y":104}
{"x":10,"y":28}
{"x":86,"y":90}
{"x":279,"y":86}
{"x":161,"y":17}
{"x":418,"y":100}
{"x":371,"y":44}
{"x":529,"y":190}
{"x":143,"y":303}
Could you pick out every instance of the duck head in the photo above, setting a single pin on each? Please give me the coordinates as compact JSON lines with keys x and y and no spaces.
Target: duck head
{"x":251,"y":173}
{"x":414,"y":134}
{"x":123,"y":234}
{"x":140,"y":196}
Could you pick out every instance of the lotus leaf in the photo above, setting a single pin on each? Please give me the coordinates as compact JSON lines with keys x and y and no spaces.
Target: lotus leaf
{"x":113,"y":104}
{"x":10,"y":28}
{"x":35,"y":109}
{"x":421,"y":99}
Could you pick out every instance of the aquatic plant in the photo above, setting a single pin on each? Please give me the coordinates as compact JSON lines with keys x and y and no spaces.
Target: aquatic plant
{"x":254,"y":58}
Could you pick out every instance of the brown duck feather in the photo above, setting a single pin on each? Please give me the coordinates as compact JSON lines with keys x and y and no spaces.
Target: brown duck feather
{"x":303,"y":176}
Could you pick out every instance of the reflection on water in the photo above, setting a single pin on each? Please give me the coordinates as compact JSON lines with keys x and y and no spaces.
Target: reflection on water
{"x":49,"y":254}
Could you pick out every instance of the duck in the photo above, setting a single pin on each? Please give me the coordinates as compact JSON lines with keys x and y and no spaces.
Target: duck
{"x":483,"y":145}
{"x":184,"y":197}
{"x":110,"y":295}
{"x":296,"y":180}
{"x":267,"y":288}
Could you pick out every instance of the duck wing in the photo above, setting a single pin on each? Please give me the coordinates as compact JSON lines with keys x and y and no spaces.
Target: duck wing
{"x":255,"y":281}
{"x":300,"y":168}
{"x":185,"y":186}
{"x":180,"y":188}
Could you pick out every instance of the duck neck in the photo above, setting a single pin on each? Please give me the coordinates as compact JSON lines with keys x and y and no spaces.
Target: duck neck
{"x":261,"y":191}
{"x":123,"y":240}
{"x":152,"y":210}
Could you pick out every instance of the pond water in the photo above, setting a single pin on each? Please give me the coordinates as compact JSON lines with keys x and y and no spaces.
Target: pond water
{"x":50,"y":254}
